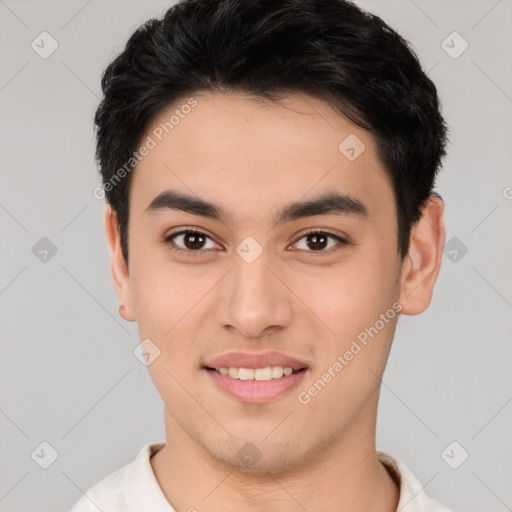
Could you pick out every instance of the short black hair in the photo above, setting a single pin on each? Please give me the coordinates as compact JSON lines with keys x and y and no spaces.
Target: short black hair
{"x":331,"y":49}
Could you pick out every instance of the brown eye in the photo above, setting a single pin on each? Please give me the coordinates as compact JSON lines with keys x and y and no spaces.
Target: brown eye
{"x":318,"y":241}
{"x":190,"y":240}
{"x":195,"y":242}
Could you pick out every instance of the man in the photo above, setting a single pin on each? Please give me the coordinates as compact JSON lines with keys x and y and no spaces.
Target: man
{"x":269,"y":171}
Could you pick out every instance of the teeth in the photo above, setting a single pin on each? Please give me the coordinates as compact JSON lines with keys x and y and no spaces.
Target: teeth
{"x":277,"y":372}
{"x":245,"y":373}
{"x":263,"y":373}
{"x":267,"y":373}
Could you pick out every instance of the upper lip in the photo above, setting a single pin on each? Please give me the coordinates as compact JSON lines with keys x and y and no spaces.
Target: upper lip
{"x":261,"y":359}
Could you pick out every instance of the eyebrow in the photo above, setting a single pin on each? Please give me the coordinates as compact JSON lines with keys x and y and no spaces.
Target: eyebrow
{"x":332,"y":203}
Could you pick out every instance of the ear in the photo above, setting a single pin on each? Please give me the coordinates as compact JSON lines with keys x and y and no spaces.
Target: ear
{"x":423,"y":261}
{"x":118,"y":266}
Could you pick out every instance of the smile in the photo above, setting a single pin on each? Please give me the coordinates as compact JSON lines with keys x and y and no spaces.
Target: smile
{"x":256,"y":385}
{"x":267,"y":373}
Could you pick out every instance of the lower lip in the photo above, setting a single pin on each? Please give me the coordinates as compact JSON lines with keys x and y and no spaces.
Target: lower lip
{"x":256,"y":391}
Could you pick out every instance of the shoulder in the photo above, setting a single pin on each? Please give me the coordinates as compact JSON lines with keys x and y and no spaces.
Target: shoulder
{"x":113,"y":493}
{"x":413,"y":497}
{"x":108,"y":495}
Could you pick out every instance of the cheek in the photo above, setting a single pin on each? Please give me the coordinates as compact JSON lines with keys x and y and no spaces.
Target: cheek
{"x":171,"y":303}
{"x":163,"y":294}
{"x":172,"y":379}
{"x":353,"y":296}
{"x":357,"y":307}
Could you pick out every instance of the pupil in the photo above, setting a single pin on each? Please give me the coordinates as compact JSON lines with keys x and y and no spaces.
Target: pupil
{"x":195,"y":244}
{"x":195,"y":240}
{"x":317,"y":236}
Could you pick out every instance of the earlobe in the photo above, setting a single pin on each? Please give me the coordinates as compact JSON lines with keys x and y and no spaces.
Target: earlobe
{"x":423,"y":261}
{"x":118,"y":266}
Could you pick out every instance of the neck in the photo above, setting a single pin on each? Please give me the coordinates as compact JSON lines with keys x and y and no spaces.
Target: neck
{"x":344,"y":475}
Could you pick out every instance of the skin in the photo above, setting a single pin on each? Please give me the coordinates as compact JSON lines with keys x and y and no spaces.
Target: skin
{"x":252,"y":157}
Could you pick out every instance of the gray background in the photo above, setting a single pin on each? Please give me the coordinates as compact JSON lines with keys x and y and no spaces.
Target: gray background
{"x":68,"y":375}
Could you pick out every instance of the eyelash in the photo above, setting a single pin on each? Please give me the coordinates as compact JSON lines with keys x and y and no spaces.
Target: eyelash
{"x":341,"y":241}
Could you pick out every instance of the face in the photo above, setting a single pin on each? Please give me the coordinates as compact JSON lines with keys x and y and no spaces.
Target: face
{"x":320,"y":286}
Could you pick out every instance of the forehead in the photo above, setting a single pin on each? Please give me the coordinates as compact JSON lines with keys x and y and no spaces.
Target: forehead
{"x":246,"y":152}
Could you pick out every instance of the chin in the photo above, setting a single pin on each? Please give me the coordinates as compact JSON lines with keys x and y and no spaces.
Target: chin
{"x":255,"y":455}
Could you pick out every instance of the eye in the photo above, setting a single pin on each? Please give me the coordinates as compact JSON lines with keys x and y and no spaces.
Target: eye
{"x":318,"y":240}
{"x":193,"y":241}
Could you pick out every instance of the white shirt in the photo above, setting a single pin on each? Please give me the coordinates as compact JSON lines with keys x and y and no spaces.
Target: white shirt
{"x":134,"y":488}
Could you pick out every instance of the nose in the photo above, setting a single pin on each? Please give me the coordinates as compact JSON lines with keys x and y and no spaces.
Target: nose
{"x":255,"y":299}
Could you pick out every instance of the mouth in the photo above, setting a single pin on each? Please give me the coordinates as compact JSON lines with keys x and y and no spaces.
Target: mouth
{"x":256,"y":377}
{"x":264,"y":374}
